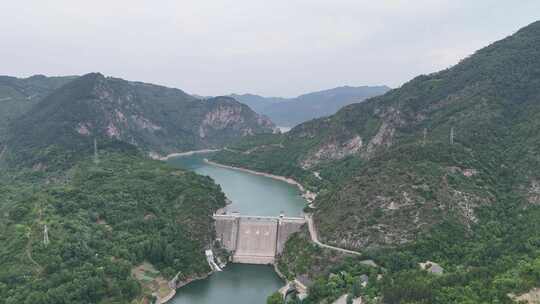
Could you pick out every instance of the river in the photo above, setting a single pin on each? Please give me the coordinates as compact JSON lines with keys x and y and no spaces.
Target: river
{"x":250,"y":195}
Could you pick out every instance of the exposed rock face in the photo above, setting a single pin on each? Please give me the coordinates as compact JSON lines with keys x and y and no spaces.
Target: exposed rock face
{"x":153,"y":118}
{"x":531,"y":297}
{"x":335,"y":142}
{"x":333,"y":151}
{"x":533,"y":194}
{"x":232,"y":116}
{"x":386,"y":216}
{"x":221,"y":116}
{"x":382,"y":138}
{"x":83,"y":129}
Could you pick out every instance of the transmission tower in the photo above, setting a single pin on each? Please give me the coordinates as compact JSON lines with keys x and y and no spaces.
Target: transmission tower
{"x":96,"y":155}
{"x":425,"y":135}
{"x":45,"y":235}
{"x":452,"y":135}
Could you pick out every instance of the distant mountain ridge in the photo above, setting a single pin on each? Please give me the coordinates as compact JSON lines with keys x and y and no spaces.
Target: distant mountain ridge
{"x":288,"y":112}
{"x":156,"y":119}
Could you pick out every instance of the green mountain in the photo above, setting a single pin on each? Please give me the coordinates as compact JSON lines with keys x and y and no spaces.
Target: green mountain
{"x":445,"y":168}
{"x":490,"y":100}
{"x":117,"y":231}
{"x":288,"y":112}
{"x":107,"y":225}
{"x":18,"y":95}
{"x":158,"y":120}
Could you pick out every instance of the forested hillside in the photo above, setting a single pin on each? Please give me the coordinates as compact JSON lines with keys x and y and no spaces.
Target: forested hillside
{"x":18,"y":95}
{"x":395,"y":151}
{"x":445,"y":168}
{"x":85,"y":215}
{"x":156,"y":119}
{"x":104,"y":220}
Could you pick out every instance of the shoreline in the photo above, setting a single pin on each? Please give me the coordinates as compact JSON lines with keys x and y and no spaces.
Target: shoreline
{"x":187,"y":153}
{"x":181,"y":284}
{"x":168,"y":297}
{"x":306,"y":194}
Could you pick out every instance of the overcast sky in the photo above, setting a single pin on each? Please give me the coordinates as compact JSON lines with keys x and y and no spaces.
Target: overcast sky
{"x":271,"y":47}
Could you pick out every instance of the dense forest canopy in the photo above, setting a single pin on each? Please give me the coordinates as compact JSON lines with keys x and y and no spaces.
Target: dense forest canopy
{"x":103,"y":221}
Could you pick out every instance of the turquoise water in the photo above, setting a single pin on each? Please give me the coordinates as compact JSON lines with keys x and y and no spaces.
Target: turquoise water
{"x":238,"y":284}
{"x":250,"y":195}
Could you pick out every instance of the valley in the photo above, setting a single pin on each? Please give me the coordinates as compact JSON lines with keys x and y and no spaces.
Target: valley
{"x":250,"y":195}
{"x":115,"y":191}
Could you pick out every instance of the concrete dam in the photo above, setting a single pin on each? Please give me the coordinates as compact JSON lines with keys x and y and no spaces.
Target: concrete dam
{"x":255,"y":239}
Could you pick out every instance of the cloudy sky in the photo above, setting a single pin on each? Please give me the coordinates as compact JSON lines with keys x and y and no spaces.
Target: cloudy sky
{"x":271,"y":47}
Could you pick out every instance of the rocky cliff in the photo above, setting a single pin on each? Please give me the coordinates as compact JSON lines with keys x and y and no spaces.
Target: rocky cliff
{"x":156,"y":119}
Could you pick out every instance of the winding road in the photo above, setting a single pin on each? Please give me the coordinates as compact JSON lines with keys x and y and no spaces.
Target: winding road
{"x":315,"y":237}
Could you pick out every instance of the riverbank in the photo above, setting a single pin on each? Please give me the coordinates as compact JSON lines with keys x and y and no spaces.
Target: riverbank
{"x":181,"y":284}
{"x":308,"y":195}
{"x":167,"y":298}
{"x":156,"y":156}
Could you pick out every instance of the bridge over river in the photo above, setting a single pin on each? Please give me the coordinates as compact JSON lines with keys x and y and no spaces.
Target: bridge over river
{"x":255,"y":239}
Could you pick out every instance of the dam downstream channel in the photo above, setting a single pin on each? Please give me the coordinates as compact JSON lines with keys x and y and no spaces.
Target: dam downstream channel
{"x":250,"y":195}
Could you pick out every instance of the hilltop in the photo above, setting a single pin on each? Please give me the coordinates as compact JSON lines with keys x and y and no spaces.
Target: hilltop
{"x":18,"y":95}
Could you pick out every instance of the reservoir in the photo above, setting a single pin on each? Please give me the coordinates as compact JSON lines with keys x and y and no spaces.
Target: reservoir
{"x":250,"y":195}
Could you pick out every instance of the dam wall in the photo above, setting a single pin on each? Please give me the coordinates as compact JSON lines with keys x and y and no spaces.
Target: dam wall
{"x":255,"y":239}
{"x":287,"y":226}
{"x":226,"y":231}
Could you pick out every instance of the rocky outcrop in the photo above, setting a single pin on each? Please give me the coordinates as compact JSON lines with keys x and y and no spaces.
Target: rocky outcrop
{"x":333,"y":151}
{"x":232,"y":116}
{"x":153,"y":118}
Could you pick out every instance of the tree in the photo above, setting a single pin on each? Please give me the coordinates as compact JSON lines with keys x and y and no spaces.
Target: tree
{"x":275,"y":298}
{"x":356,"y":288}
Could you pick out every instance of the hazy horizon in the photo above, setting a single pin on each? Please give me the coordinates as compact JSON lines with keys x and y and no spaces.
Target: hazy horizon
{"x":282,"y":48}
